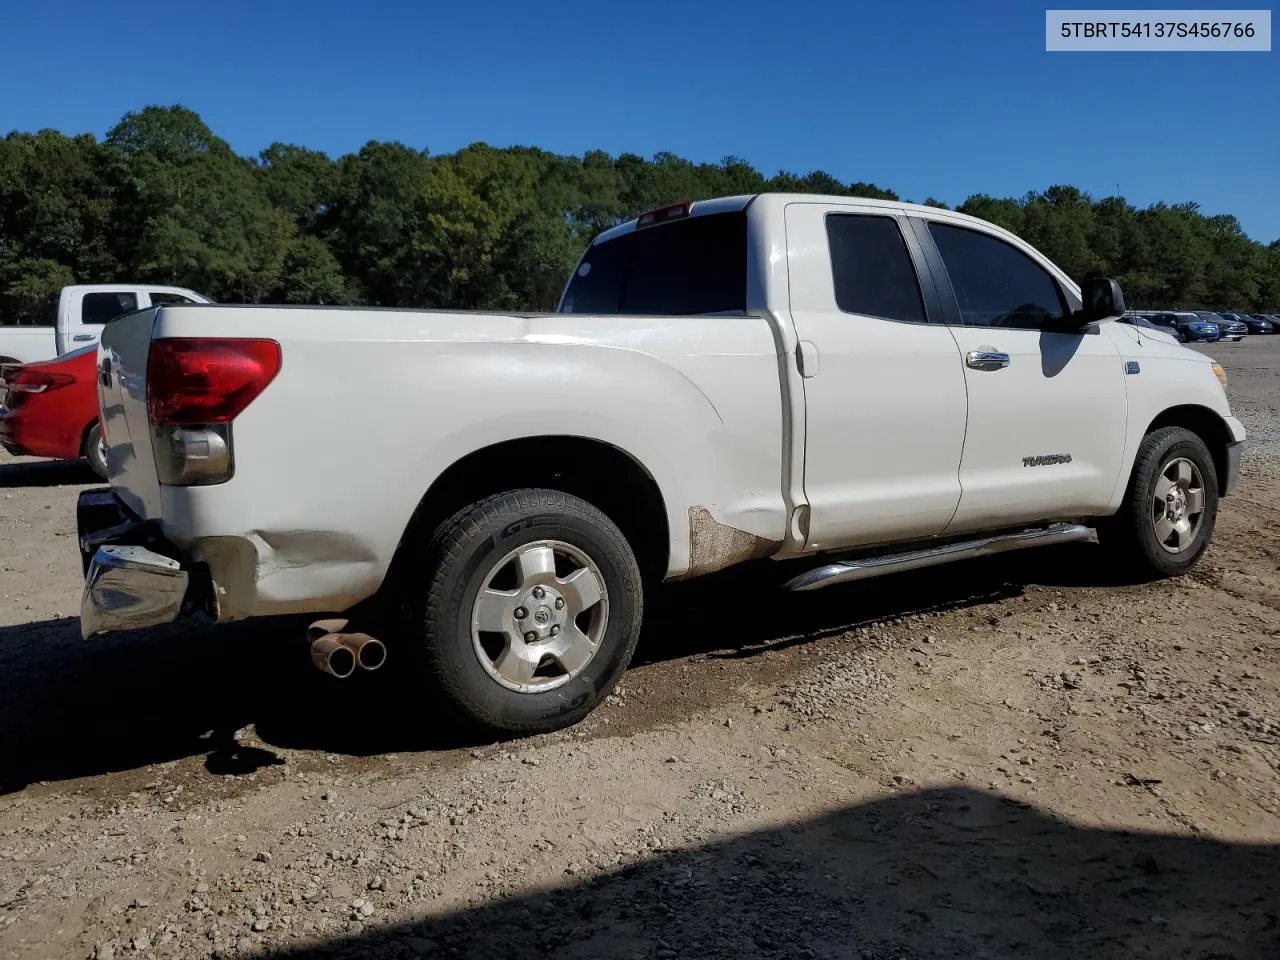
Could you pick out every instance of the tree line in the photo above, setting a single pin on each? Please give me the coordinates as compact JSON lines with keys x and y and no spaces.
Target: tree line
{"x":161,"y":199}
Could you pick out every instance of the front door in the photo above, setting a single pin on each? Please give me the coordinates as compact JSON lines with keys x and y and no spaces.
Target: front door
{"x":1047,"y":407}
{"x":884,"y":387}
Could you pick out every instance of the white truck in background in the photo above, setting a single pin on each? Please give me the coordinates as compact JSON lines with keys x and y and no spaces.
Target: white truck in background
{"x":854,"y":386}
{"x":82,"y":312}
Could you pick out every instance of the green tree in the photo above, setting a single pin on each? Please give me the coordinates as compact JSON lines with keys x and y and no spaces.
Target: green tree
{"x":163,"y":199}
{"x":189,"y":210}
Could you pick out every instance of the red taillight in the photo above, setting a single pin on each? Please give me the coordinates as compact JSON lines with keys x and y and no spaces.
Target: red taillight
{"x":21,"y":379}
{"x":207,"y":380}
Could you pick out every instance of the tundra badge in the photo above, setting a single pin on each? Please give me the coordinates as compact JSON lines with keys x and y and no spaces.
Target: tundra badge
{"x":1046,"y":459}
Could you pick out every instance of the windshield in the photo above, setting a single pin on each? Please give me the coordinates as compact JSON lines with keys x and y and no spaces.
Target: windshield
{"x":690,"y":266}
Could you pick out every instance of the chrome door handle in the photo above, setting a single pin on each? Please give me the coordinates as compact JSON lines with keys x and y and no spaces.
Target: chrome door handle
{"x":80,"y":337}
{"x":987,"y":360}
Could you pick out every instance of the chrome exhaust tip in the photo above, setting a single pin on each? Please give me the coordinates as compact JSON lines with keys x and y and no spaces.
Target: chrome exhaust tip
{"x":338,"y":653}
{"x":369,"y":653}
{"x":331,"y":656}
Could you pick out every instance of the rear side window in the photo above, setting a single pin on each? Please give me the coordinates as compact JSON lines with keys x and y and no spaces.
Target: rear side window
{"x":696,"y":265}
{"x":996,"y":285}
{"x":872,"y":268}
{"x":101,"y":308}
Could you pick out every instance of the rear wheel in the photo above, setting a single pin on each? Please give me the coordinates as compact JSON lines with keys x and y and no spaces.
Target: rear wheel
{"x":530,"y":613}
{"x":95,"y":450}
{"x":1167,"y":518}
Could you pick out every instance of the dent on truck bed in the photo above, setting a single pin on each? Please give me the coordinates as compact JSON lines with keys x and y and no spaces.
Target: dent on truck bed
{"x":714,"y":545}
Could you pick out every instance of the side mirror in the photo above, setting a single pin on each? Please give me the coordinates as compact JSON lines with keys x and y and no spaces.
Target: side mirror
{"x":1102,"y":300}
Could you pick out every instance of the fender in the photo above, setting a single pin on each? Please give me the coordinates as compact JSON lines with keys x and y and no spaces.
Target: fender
{"x":1169,"y":381}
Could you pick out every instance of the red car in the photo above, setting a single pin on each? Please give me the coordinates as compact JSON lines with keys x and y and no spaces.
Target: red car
{"x":50,"y":409}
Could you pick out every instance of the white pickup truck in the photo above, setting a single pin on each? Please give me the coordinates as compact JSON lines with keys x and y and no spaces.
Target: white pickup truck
{"x":83,"y":311}
{"x":855,"y":386}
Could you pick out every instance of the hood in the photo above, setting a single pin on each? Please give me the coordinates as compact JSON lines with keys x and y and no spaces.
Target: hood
{"x":1157,"y":334}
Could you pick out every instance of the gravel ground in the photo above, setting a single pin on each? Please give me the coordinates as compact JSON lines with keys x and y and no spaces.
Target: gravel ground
{"x":1001,"y":759}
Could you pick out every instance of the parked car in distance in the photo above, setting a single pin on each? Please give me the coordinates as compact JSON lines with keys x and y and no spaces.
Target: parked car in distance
{"x":855,"y":386}
{"x":50,"y":409}
{"x":1258,"y":323}
{"x":81,"y":313}
{"x":1187,"y":327}
{"x":1232,"y":329}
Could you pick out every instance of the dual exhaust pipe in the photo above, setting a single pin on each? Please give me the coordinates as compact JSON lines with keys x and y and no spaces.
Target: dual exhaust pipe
{"x":338,"y":653}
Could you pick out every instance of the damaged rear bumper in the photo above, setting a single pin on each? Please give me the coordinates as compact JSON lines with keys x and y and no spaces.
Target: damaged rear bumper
{"x":133,"y":576}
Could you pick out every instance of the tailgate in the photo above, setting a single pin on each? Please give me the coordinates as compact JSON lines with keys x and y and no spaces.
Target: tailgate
{"x":122,"y":399}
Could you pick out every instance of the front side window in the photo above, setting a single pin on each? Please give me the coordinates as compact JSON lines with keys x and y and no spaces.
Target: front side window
{"x":996,"y":285}
{"x":872,"y":268}
{"x":159,"y":299}
{"x":101,"y":308}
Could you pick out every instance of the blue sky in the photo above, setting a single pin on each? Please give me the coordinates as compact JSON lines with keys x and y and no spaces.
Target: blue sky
{"x":936,"y":98}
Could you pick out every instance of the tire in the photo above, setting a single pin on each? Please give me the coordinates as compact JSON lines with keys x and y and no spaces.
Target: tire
{"x":487,"y":676}
{"x":94,"y":451}
{"x":1149,"y":544}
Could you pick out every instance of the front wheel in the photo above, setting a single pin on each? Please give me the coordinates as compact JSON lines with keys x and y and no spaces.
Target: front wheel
{"x":1167,"y":518}
{"x":531,"y":613}
{"x":95,"y":450}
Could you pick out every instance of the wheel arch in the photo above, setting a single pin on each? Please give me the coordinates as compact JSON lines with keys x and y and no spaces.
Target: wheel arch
{"x":84,"y":434}
{"x":1205,"y":423}
{"x":604,"y":475}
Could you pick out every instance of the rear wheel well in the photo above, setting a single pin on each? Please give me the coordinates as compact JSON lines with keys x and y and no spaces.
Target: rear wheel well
{"x":84,"y":434}
{"x":597,"y":472}
{"x":1205,"y":424}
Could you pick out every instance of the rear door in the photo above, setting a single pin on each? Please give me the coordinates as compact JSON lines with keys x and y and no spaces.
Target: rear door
{"x":89,"y":311}
{"x":884,"y":386}
{"x":1048,"y":410}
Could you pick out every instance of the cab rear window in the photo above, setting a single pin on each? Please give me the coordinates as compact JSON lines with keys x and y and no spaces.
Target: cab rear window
{"x":686,"y":267}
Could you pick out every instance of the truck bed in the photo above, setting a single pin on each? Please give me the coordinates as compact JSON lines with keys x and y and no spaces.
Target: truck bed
{"x":370,"y":406}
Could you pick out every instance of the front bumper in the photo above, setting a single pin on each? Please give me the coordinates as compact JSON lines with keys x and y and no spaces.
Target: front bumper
{"x":133,"y":576}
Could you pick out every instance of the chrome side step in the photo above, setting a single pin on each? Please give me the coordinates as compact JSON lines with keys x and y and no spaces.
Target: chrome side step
{"x":845,"y":571}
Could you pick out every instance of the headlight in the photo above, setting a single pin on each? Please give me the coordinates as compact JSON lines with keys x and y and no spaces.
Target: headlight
{"x":1220,"y":374}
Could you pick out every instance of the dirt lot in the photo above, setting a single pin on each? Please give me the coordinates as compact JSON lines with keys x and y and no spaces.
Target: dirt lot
{"x":1004,"y":759}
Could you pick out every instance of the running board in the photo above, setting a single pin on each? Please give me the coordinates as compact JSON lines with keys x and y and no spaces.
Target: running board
{"x":845,"y":571}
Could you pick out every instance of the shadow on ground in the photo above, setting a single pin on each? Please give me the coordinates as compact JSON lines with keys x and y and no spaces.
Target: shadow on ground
{"x":72,"y":708}
{"x":939,"y":874}
{"x":46,"y":473}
